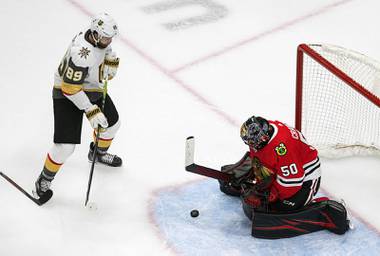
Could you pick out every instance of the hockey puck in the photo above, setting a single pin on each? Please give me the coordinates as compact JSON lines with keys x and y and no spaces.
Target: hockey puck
{"x":194,"y":213}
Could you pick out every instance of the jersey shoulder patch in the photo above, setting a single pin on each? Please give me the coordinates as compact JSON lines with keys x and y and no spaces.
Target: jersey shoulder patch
{"x":281,"y":149}
{"x":82,"y":56}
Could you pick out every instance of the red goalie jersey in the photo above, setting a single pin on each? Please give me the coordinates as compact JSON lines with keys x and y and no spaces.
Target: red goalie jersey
{"x":291,"y":159}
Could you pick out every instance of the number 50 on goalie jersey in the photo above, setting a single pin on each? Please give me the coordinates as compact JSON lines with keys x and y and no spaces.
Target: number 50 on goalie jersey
{"x":292,"y":160}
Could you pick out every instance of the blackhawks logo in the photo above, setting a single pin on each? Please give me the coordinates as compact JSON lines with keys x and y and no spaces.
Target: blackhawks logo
{"x":84,"y":52}
{"x":281,"y":149}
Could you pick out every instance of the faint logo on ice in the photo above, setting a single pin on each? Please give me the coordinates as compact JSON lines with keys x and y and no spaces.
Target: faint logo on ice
{"x":214,"y":12}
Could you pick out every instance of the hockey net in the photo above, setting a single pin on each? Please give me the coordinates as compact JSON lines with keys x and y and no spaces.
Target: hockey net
{"x":338,"y":100}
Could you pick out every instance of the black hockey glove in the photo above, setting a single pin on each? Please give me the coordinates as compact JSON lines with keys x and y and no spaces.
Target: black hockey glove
{"x":241,"y":173}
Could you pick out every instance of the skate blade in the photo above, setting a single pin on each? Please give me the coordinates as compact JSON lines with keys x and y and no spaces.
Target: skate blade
{"x":103,"y":164}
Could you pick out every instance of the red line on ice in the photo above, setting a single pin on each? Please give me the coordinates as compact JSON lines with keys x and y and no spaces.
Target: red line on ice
{"x":261,"y":35}
{"x":168,"y":73}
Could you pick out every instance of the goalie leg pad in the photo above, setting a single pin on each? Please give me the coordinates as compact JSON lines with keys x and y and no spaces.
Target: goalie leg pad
{"x":338,"y":214}
{"x":329,"y":215}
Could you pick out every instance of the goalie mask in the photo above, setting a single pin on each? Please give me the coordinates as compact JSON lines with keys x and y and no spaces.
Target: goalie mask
{"x":255,"y":132}
{"x":105,"y":27}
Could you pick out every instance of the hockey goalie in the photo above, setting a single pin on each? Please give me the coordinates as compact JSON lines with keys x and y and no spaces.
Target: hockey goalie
{"x":277,"y":181}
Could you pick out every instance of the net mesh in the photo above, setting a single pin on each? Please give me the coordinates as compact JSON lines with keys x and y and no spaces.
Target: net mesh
{"x":337,"y":119}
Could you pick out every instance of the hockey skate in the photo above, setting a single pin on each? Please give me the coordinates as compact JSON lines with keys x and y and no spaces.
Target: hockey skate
{"x":104,"y":157}
{"x":43,"y":193}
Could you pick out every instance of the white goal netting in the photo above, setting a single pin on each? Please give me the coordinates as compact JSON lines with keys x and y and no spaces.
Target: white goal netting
{"x":336,"y":118}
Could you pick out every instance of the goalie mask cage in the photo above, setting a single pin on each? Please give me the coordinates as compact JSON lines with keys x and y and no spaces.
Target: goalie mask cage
{"x":337,"y":100}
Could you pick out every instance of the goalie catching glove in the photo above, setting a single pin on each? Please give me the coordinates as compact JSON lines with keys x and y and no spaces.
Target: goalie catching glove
{"x":111,"y":63}
{"x":96,"y":117}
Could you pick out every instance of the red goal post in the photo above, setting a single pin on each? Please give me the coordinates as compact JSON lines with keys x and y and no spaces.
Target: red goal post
{"x":338,"y":100}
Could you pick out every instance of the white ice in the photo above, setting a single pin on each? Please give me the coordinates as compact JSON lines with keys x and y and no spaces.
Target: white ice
{"x":202,"y":81}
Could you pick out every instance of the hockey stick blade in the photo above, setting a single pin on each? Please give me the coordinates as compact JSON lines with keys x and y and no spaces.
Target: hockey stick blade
{"x":190,"y":166}
{"x":40,"y":201}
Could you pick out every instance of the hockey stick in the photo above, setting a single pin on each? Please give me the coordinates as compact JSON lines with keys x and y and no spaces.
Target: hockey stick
{"x":96,"y":144}
{"x":43,"y":199}
{"x":190,"y":166}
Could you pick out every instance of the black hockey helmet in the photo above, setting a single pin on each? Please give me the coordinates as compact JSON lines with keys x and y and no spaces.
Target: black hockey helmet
{"x":255,"y":132}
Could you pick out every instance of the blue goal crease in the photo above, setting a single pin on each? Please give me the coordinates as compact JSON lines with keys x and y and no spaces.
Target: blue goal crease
{"x":222,"y":228}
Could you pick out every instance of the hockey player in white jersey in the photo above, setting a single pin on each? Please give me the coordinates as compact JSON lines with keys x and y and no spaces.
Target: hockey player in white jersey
{"x":78,"y":89}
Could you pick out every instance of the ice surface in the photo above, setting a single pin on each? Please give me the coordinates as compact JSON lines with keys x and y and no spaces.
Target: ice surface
{"x":223,"y":229}
{"x":202,"y":80}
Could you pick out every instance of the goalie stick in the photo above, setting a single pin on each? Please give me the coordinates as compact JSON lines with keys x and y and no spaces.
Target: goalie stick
{"x":40,"y":201}
{"x":190,"y":166}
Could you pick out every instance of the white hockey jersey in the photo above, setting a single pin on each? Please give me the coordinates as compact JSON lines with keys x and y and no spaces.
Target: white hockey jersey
{"x":80,"y":69}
